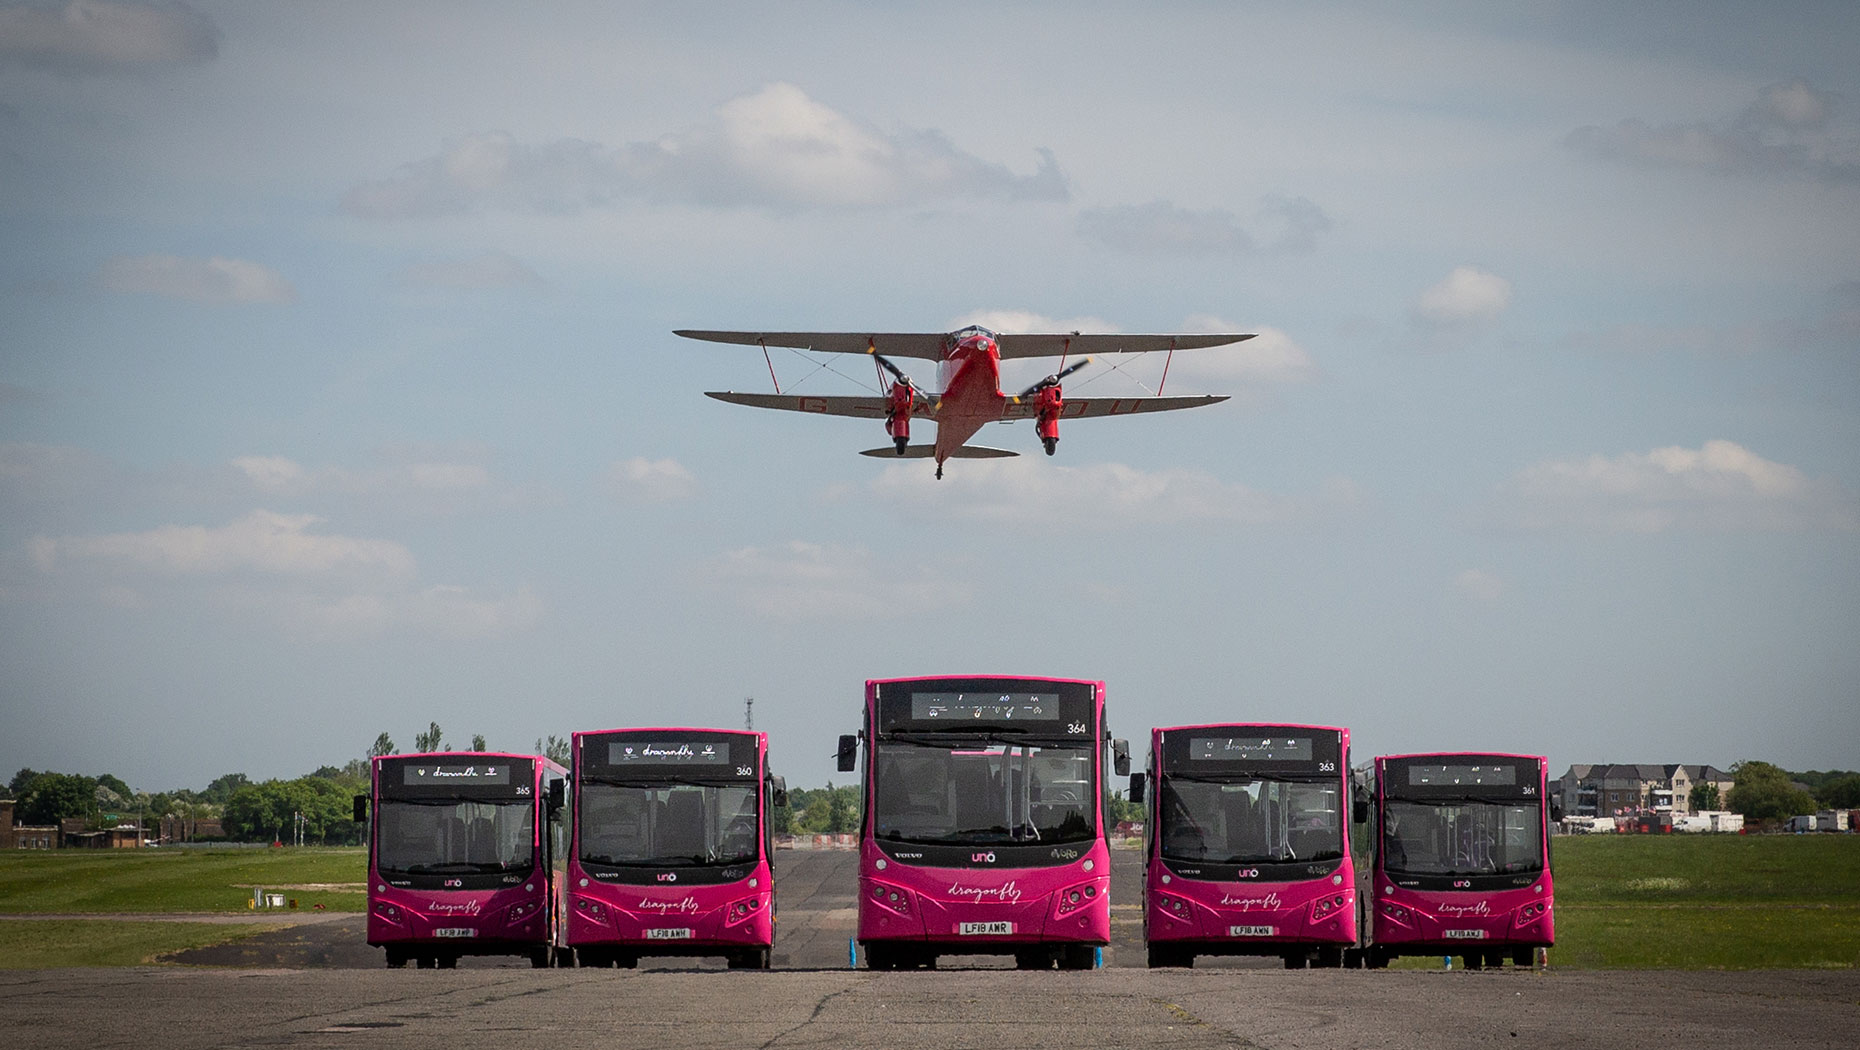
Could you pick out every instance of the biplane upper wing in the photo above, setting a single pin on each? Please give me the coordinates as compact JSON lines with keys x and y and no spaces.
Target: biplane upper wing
{"x":929,"y":345}
{"x":926,"y":345}
{"x":1096,"y":407}
{"x":1019,"y":346}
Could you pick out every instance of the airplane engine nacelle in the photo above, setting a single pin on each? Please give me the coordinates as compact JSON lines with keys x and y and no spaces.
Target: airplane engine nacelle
{"x":1050,"y":402}
{"x":898,"y":422}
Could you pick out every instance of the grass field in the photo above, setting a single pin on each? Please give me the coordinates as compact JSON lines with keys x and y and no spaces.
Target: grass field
{"x":1731,"y":902}
{"x":177,"y":880}
{"x":50,"y":943}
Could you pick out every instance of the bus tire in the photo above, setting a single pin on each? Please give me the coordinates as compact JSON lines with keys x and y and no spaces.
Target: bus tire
{"x":1379,"y":958}
{"x":448,"y":962}
{"x":564,"y":958}
{"x":1162,"y":955}
{"x":1353,"y":959}
{"x":424,"y":962}
{"x":1330,"y":957}
{"x":1526,"y":957}
{"x":1033,"y":959}
{"x":1078,"y":957}
{"x":396,"y":959}
{"x":540,"y":958}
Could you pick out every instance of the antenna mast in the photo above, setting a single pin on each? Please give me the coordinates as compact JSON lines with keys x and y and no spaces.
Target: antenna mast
{"x":749,"y":712}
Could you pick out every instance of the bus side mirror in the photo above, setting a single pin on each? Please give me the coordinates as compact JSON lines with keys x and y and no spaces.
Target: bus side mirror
{"x":1359,"y":810}
{"x":779,"y":796}
{"x":1136,"y":787}
{"x":849,"y":753}
{"x":1120,"y":757}
{"x":558,"y":796}
{"x":361,"y":809}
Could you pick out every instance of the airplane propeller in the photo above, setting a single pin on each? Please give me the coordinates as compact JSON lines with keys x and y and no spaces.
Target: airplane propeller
{"x":897,"y":373}
{"x":1053,"y":380}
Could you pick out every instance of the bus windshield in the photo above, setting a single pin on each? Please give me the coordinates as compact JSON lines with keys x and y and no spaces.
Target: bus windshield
{"x":667,"y":825}
{"x":1250,"y":821}
{"x":985,"y":794}
{"x":1461,"y":837}
{"x":455,"y":836}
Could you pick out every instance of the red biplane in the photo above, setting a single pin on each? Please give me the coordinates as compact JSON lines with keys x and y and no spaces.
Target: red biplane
{"x":969,"y":361}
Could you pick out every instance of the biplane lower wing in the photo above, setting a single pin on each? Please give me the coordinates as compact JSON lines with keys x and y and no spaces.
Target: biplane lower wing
{"x":1098,"y":407}
{"x":929,"y":451}
{"x":816,"y":404}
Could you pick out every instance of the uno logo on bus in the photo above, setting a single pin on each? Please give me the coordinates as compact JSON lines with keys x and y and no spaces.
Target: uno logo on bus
{"x":668,"y":876}
{"x":1462,"y":884}
{"x":1247,"y":873}
{"x":982,"y":858}
{"x":455,"y":883}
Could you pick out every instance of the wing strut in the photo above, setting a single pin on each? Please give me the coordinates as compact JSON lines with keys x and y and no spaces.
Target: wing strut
{"x":1160,"y":383}
{"x":764,"y":343}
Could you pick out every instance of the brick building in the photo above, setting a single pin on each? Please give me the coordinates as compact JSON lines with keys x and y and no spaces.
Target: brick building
{"x":1619,"y":790}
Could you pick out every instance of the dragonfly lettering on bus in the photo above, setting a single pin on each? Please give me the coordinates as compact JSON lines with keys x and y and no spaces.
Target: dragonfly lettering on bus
{"x":467,"y":907}
{"x":1006,"y":892}
{"x":1269,"y":901}
{"x":688,"y":904}
{"x":1480,"y":908}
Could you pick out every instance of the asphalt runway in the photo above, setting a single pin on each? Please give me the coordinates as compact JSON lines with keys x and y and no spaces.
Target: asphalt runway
{"x":317,"y":985}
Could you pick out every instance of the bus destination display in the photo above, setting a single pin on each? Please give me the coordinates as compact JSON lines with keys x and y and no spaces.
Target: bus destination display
{"x":488,"y":773}
{"x":1462,"y":776}
{"x":1249,"y":749}
{"x":985,"y":707}
{"x":682,"y":753}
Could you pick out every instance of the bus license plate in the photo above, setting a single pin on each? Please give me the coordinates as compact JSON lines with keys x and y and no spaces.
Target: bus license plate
{"x":984,"y":929}
{"x":1251,"y":931}
{"x":1464,"y":935}
{"x":455,"y":931}
{"x":682,"y":933}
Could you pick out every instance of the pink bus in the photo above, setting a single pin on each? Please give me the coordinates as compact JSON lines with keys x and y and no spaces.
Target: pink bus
{"x":984,"y":821}
{"x":1247,"y":844}
{"x":459,"y":859}
{"x":671,"y":852}
{"x":1462,"y":859}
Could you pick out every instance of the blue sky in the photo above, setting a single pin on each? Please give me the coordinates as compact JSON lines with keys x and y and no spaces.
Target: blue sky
{"x":338,"y":392}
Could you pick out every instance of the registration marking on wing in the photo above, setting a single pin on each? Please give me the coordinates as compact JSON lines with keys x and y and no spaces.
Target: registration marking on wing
{"x":984,"y":929}
{"x":1463,"y":935}
{"x":1252,"y":931}
{"x":455,"y":931}
{"x":671,"y":933}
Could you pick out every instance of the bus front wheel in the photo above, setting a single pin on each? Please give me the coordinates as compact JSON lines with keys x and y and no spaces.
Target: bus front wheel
{"x":1163,"y":955}
{"x":749,"y":959}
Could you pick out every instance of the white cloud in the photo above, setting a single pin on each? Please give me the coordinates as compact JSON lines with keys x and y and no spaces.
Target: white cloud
{"x":443,"y":611}
{"x":1720,"y":486}
{"x":1467,"y":295}
{"x":262,"y":540}
{"x":808,"y":581}
{"x":1789,"y":128}
{"x":1288,"y":225}
{"x":105,"y":36}
{"x":1106,"y":496}
{"x":214,"y":280}
{"x":651,"y":480}
{"x":1271,"y":356}
{"x":776,"y":148}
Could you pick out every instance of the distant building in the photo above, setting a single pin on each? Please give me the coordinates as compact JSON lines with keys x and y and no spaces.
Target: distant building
{"x":1620,"y":790}
{"x":23,"y":836}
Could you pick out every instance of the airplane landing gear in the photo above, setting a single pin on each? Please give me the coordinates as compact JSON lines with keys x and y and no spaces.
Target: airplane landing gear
{"x":1051,"y":443}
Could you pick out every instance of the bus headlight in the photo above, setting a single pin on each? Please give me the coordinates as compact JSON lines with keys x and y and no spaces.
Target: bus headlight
{"x":744,"y":909}
{"x":1330,"y":907}
{"x":1175,"y":908}
{"x":1396,"y":913}
{"x":1532,"y":912}
{"x":388,"y":911}
{"x":592,"y":910}
{"x":1073,"y":898}
{"x":891,"y":897}
{"x":520,"y":912}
